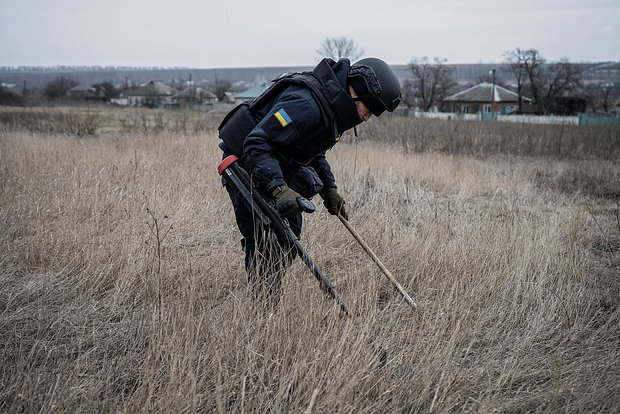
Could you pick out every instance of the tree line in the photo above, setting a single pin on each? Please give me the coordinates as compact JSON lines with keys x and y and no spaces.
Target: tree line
{"x":541,"y":81}
{"x":429,"y":81}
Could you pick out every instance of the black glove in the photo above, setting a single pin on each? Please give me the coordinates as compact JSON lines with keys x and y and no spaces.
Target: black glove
{"x":334,"y":203}
{"x":286,"y":201}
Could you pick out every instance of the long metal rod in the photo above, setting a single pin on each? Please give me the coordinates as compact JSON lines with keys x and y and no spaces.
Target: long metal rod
{"x":374,"y":257}
{"x":238,"y":178}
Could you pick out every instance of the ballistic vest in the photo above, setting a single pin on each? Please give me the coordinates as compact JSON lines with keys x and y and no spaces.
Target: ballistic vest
{"x":337,"y":108}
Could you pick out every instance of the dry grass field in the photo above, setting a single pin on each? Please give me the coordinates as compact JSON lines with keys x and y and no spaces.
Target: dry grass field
{"x":122,"y":286}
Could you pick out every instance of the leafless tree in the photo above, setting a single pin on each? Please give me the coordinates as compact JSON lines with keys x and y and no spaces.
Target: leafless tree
{"x":516,"y":58}
{"x":544,"y":81}
{"x":430,"y":84}
{"x":559,"y":78}
{"x":340,"y":47}
{"x":107,"y":90}
{"x":532,"y":63}
{"x":58,"y":87}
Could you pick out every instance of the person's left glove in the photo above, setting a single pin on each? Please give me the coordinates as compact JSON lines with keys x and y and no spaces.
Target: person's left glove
{"x":334,"y":203}
{"x":286,"y":201}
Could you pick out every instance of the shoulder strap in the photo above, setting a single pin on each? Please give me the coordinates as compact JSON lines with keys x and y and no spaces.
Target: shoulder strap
{"x":305,"y":79}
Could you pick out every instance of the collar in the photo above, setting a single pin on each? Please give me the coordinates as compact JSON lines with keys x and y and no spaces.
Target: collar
{"x":333,"y":77}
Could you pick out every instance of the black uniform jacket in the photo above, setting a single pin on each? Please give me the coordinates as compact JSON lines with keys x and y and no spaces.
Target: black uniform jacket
{"x":293,"y":132}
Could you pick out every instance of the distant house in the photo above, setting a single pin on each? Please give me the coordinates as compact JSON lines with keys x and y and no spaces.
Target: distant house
{"x":228,"y":98}
{"x":10,"y":94}
{"x":226,"y":103}
{"x":10,"y":87}
{"x":483,"y":99}
{"x":122,"y":100}
{"x":154,"y":94}
{"x":252,"y":92}
{"x":86,"y":92}
{"x":192,"y":95}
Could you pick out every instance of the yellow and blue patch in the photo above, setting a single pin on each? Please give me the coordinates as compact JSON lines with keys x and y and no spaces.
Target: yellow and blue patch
{"x":283,"y":117}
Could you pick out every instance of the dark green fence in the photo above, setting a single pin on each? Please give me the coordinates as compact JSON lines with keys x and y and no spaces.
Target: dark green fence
{"x":599,"y":119}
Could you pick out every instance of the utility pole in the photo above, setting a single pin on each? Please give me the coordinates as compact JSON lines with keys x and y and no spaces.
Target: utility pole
{"x":492,"y":71}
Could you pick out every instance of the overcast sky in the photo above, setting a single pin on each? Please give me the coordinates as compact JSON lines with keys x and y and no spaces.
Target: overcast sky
{"x":247,"y":33}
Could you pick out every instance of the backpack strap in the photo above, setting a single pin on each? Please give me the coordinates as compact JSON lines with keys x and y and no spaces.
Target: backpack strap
{"x":304,"y":79}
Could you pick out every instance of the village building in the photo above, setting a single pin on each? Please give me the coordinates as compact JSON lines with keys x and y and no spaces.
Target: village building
{"x":192,"y":97}
{"x":251,"y":93}
{"x":86,"y":92}
{"x":154,"y":94}
{"x":484,"y":98}
{"x":228,"y":98}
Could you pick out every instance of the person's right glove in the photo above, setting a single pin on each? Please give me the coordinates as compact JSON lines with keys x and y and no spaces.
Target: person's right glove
{"x":286,"y":201}
{"x":334,"y":203}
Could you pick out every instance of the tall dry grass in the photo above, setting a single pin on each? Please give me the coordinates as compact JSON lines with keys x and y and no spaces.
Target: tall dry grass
{"x":122,"y":282}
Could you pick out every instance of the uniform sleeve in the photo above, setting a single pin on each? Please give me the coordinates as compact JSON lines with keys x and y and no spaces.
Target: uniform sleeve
{"x":324,"y":171}
{"x":290,"y":117}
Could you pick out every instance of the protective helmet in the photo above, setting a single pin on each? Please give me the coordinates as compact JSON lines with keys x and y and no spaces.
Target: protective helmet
{"x":375,"y":84}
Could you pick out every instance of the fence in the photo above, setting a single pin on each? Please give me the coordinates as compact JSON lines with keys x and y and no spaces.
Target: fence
{"x":581,"y":119}
{"x":540,"y":119}
{"x":599,"y":119}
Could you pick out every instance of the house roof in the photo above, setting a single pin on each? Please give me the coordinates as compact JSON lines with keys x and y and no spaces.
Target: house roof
{"x":153,"y":88}
{"x":483,"y":92}
{"x":12,"y":87}
{"x":86,"y":91}
{"x":192,"y":92}
{"x":252,"y":92}
{"x":82,"y":88}
{"x":228,"y":97}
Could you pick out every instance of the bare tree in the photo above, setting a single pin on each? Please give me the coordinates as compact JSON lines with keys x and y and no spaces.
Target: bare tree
{"x":340,"y":47}
{"x":430,"y":84}
{"x":107,"y":90}
{"x":516,"y":59}
{"x":57,"y":88}
{"x":527,"y":65}
{"x":559,"y":78}
{"x":544,"y":81}
{"x":532,"y":65}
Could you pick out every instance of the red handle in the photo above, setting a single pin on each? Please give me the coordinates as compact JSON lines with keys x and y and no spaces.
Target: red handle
{"x":226,"y":162}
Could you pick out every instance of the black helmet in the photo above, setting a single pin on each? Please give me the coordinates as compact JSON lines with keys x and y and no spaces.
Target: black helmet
{"x":375,"y":84}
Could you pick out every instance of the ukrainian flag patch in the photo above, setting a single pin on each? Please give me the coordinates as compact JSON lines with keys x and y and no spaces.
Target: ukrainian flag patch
{"x":283,"y":117}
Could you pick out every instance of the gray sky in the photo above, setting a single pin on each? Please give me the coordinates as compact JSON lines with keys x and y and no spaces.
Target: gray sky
{"x":246,"y":33}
